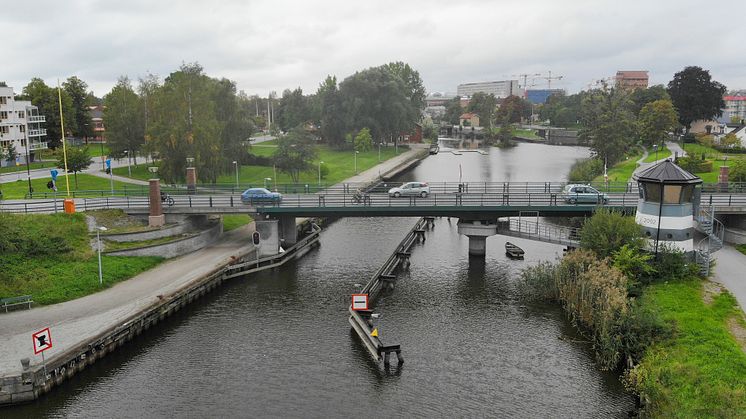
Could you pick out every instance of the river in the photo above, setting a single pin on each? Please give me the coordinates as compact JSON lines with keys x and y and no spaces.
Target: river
{"x":278,"y":343}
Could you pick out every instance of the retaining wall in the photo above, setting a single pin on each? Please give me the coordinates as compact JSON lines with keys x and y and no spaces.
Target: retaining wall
{"x":177,"y":247}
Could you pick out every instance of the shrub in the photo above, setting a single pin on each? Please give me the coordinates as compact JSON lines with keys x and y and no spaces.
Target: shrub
{"x":672,"y":264}
{"x":586,"y":170}
{"x":38,"y":235}
{"x":737,"y":171}
{"x":607,"y":231}
{"x":694,"y":165}
{"x":539,"y":282}
{"x":706,"y":140}
{"x":688,"y":138}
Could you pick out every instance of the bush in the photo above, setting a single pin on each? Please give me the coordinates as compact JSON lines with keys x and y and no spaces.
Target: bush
{"x":249,"y":159}
{"x":672,"y":264}
{"x":694,"y":165}
{"x":706,"y":140}
{"x":737,"y":171}
{"x":538,"y":283}
{"x":34,"y":235}
{"x":586,"y":170}
{"x":607,"y":231}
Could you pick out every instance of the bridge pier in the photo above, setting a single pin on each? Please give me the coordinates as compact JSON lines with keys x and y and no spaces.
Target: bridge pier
{"x":155,"y":216}
{"x":477,"y":231}
{"x":288,"y":230}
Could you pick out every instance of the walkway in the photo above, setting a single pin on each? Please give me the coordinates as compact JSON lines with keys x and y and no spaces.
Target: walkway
{"x":729,"y":271}
{"x":676,"y":150}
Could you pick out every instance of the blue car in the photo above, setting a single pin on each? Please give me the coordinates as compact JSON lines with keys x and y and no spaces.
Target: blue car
{"x":260,"y":196}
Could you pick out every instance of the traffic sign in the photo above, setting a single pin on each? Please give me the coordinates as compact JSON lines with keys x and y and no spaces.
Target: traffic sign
{"x":42,"y":341}
{"x":54,"y":174}
{"x":359,"y":301}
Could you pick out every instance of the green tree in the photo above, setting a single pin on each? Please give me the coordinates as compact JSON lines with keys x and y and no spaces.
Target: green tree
{"x":454,"y":110}
{"x":608,"y":124}
{"x":515,"y":108}
{"x":331,"y":112}
{"x":77,"y":90}
{"x":483,"y":105}
{"x":294,"y":109}
{"x":656,"y":120}
{"x":415,"y":89}
{"x":641,"y":97}
{"x":695,"y":95}
{"x":46,"y":99}
{"x":363,"y":140}
{"x":295,"y":153}
{"x":125,"y":123}
{"x":607,"y":231}
{"x":730,"y":141}
{"x":9,"y":153}
{"x":737,"y":171}
{"x":78,"y":159}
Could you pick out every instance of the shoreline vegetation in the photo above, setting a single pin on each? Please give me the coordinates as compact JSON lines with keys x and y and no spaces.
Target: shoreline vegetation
{"x":650,"y":317}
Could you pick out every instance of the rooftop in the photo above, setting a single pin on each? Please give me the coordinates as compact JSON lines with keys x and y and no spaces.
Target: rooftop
{"x":667,"y":172}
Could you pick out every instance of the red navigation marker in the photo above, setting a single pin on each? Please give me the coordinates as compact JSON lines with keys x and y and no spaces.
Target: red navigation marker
{"x":42,"y":341}
{"x":359,"y":301}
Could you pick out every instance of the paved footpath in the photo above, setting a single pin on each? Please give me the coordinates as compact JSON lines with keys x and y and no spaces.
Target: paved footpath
{"x":78,"y":320}
{"x":730,"y":270}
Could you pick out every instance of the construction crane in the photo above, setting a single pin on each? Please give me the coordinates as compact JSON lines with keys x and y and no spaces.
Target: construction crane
{"x":526,"y":76}
{"x":549,"y":79}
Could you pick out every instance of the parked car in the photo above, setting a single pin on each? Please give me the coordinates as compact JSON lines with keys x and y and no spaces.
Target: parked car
{"x":577,"y":194}
{"x":261,"y":196}
{"x":410,"y":189}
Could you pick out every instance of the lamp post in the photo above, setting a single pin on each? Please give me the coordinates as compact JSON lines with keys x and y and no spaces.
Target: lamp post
{"x":655,"y":147}
{"x":356,"y":153}
{"x":320,"y":163}
{"x":129,"y":167}
{"x":235,"y":164}
{"x":266,"y":179}
{"x":99,"y":229}
{"x":379,"y":152}
{"x":190,"y":161}
{"x":28,"y":167}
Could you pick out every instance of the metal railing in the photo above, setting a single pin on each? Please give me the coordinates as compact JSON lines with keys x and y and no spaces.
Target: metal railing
{"x":535,"y":230}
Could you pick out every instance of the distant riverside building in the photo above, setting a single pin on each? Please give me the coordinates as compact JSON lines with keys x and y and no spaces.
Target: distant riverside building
{"x":501,"y":89}
{"x":20,"y":122}
{"x":536,"y":96}
{"x":97,"y":118}
{"x":632,"y":79}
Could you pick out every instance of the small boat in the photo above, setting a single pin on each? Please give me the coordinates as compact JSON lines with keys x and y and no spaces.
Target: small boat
{"x":434,"y":149}
{"x":513,"y":251}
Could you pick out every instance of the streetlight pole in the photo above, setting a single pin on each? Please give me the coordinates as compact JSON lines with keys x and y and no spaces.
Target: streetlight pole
{"x":266,"y":179}
{"x":28,"y":166}
{"x":129,"y":167}
{"x":320,"y":163}
{"x":235,"y":164}
{"x":379,"y":152}
{"x":356,"y":153}
{"x":655,"y":147}
{"x":100,"y":270}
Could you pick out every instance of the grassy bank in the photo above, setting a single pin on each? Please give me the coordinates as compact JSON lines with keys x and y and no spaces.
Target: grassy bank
{"x":19,"y":189}
{"x":341,"y":166}
{"x":50,"y":258}
{"x":622,"y":171}
{"x":701,"y":370}
{"x":234,"y":221}
{"x":663,"y":153}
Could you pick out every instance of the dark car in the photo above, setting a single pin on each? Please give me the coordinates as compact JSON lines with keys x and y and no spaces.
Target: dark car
{"x":260,"y":196}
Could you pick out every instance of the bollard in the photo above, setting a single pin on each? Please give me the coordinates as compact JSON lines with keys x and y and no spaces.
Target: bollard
{"x":25,"y":363}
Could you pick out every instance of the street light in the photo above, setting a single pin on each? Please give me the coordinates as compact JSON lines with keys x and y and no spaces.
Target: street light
{"x":379,"y":152}
{"x":235,"y":164}
{"x":190,"y":160}
{"x":266,"y":179}
{"x":129,"y":167}
{"x":356,"y":153}
{"x":655,"y":147}
{"x":99,"y":229}
{"x":320,"y":163}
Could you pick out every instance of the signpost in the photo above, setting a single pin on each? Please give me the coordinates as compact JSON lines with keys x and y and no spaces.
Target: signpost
{"x":54,"y":174}
{"x":359,"y":302}
{"x":111,"y":175}
{"x":42,"y":341}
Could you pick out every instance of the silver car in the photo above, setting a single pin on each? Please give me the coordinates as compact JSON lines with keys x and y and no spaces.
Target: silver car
{"x":576,"y":194}
{"x":420,"y":189}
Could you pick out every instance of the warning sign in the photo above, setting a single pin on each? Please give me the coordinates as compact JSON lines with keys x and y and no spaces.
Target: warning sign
{"x":42,"y":341}
{"x":359,"y":301}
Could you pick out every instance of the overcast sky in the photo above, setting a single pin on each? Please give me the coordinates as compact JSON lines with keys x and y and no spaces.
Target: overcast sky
{"x":279,"y":44}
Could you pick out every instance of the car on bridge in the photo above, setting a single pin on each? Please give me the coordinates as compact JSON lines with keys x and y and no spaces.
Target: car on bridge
{"x":421,"y":189}
{"x":583,"y":194}
{"x":260,"y":196}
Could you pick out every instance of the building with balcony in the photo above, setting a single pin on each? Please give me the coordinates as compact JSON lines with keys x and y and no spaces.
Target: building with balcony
{"x":21,"y":127}
{"x":735,"y":108}
{"x":96,"y":113}
{"x":501,"y":89}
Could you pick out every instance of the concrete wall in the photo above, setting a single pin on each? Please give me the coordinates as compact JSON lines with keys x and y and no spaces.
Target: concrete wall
{"x":187,"y":224}
{"x":178,"y":247}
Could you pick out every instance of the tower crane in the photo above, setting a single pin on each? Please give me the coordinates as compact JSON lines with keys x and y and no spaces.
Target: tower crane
{"x":526,"y":76}
{"x":549,"y":79}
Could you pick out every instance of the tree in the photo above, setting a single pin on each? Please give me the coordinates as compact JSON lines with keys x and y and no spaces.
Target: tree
{"x":10,"y":153}
{"x":294,"y":109}
{"x":730,"y":141}
{"x":483,"y":105}
{"x":656,"y":120}
{"x":125,"y":129}
{"x":46,"y":99}
{"x":607,"y":231}
{"x":363,"y":140}
{"x":454,"y":110}
{"x":415,"y":89}
{"x":641,"y":97}
{"x":514,"y":107}
{"x":695,"y":95}
{"x":330,"y":112}
{"x":78,"y":159}
{"x":77,"y":90}
{"x":295,"y":153}
{"x":608,"y":124}
{"x":737,"y":171}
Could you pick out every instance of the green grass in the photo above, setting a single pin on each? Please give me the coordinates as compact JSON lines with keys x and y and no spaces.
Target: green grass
{"x":19,"y":189}
{"x":622,"y":171}
{"x":741,"y":248}
{"x":68,"y":272}
{"x":234,"y":221}
{"x":341,"y":166}
{"x":117,"y":222}
{"x":34,"y":165}
{"x":112,"y":246}
{"x":663,"y":153}
{"x":526,"y":133}
{"x":701,"y":371}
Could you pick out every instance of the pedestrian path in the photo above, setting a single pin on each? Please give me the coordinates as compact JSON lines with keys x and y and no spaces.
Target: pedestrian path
{"x":729,"y":271}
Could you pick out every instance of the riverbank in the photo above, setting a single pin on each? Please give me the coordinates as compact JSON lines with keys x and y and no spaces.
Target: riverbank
{"x":77,"y":324}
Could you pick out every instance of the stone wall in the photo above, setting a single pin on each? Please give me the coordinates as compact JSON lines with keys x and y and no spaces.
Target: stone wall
{"x":178,"y":247}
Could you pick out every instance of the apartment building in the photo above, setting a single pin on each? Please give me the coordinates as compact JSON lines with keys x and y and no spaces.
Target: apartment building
{"x":20,"y":127}
{"x":632,"y":79}
{"x":735,"y":107}
{"x":501,"y":89}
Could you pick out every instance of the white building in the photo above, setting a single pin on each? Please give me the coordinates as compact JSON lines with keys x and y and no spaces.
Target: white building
{"x":501,"y":89}
{"x":20,"y":122}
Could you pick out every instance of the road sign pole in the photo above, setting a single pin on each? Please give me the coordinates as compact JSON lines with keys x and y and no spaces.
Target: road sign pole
{"x":44,"y":365}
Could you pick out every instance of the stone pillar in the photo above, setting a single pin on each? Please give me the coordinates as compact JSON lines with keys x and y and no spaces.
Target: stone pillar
{"x":477,"y":232}
{"x":723,"y":176}
{"x":288,"y":231}
{"x":191,"y":180}
{"x":156,"y":217}
{"x":269,"y":235}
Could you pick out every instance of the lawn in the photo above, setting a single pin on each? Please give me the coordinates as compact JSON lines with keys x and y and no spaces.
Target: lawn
{"x":34,"y":165}
{"x":701,"y":370}
{"x":234,"y":221}
{"x":526,"y":133}
{"x":49,"y":257}
{"x":622,"y":171}
{"x":341,"y":166}
{"x":19,"y":189}
{"x":663,"y":152}
{"x":741,"y":248}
